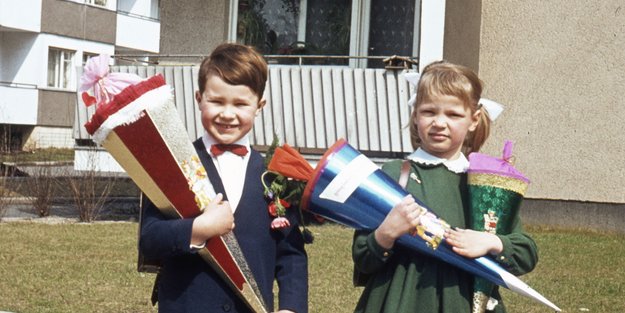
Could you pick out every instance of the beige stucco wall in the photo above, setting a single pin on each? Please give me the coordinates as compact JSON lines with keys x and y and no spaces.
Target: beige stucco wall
{"x":76,"y":20}
{"x":559,"y":67}
{"x":56,"y":108}
{"x":462,"y":32}
{"x":193,"y":26}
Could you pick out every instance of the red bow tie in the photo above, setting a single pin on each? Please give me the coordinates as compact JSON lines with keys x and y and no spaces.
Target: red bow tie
{"x":219,"y":149}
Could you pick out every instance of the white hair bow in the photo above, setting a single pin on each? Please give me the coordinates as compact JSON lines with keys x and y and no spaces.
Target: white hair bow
{"x":493,"y":108}
{"x":413,"y":80}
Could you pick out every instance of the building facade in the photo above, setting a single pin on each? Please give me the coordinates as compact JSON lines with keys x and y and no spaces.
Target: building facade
{"x":43,"y":42}
{"x":556,"y":66}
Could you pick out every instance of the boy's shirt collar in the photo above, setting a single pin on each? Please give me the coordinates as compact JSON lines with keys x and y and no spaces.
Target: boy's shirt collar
{"x":208,"y":141}
{"x":459,"y":165}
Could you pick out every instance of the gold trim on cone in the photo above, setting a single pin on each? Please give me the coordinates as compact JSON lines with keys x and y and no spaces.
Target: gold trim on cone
{"x":499,"y":181}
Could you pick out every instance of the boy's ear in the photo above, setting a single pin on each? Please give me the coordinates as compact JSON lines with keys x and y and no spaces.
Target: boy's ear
{"x":261,"y":105}
{"x":198,"y":97}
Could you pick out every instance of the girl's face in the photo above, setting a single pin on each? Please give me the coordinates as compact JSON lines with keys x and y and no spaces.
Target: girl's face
{"x":443,"y":124}
{"x":228,"y":111}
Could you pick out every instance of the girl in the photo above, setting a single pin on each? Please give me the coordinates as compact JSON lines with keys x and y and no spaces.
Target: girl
{"x":447,"y":121}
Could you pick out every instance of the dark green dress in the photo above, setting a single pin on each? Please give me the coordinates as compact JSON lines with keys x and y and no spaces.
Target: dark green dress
{"x":403,"y":280}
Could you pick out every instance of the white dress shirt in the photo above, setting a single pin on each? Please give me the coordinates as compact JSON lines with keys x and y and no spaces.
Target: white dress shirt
{"x":231,"y":168}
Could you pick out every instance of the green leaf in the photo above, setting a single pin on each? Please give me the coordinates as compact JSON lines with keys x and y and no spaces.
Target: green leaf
{"x":272,"y":149}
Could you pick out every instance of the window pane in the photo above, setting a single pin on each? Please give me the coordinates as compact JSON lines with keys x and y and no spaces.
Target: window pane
{"x":391,"y":29}
{"x":328,"y":28}
{"x":267,"y":24}
{"x":272,"y":26}
{"x":53,"y":56}
{"x":67,"y":68}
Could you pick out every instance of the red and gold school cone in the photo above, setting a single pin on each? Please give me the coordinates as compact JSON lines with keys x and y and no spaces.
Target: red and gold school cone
{"x":140,"y":128}
{"x":496,"y":190}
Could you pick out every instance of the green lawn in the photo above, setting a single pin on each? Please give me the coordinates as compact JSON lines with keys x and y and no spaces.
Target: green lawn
{"x":39,"y":155}
{"x":92,"y":268}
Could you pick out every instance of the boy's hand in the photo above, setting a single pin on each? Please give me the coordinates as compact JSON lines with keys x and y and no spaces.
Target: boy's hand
{"x":216,"y":220}
{"x":402,"y":219}
{"x":473,"y":244}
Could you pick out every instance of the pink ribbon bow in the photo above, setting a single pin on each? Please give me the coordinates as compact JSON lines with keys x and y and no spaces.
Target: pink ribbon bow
{"x":105,"y":85}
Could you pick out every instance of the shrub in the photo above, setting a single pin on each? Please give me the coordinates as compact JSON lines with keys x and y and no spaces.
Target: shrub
{"x":90,"y":189}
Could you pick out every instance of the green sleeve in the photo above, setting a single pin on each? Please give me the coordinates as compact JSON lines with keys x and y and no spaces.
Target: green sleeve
{"x":367,"y":254}
{"x":520,"y":253}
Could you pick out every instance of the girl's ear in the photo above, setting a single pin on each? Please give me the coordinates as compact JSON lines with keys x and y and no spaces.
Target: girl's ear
{"x":475,"y":120}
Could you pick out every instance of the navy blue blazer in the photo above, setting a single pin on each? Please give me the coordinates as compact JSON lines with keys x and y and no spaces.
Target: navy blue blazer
{"x":188,"y":284}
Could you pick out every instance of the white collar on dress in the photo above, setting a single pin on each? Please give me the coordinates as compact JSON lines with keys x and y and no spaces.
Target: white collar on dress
{"x":459,"y":165}
{"x":208,"y":141}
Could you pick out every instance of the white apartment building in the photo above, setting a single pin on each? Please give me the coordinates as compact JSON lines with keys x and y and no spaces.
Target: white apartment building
{"x":43,"y":43}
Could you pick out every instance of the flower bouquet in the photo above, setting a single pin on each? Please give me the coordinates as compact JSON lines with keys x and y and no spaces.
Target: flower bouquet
{"x":284,"y":185}
{"x":137,"y":123}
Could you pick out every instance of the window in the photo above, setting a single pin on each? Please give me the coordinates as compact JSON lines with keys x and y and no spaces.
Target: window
{"x":391,"y":29}
{"x":86,"y":56}
{"x":376,"y":28}
{"x":142,"y":9}
{"x":96,"y":2}
{"x":60,"y":68}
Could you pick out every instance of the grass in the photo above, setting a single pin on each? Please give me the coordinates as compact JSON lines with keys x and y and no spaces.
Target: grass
{"x":92,"y":268}
{"x":39,"y":155}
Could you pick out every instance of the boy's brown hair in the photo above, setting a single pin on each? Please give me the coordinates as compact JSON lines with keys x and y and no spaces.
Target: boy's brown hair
{"x":235,"y":64}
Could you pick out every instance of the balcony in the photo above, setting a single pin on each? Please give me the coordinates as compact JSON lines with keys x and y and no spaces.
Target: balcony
{"x":137,"y":32}
{"x":18,"y":104}
{"x":15,"y":16}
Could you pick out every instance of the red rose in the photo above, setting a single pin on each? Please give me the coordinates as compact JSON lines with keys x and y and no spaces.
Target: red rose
{"x":273,"y":209}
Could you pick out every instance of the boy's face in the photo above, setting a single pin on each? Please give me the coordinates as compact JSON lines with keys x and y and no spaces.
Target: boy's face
{"x":228,"y":111}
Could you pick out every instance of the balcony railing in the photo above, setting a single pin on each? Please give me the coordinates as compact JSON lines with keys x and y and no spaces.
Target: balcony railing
{"x":309,"y":107}
{"x":18,"y":104}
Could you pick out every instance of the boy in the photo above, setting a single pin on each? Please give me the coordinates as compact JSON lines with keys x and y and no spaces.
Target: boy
{"x":231,"y":81}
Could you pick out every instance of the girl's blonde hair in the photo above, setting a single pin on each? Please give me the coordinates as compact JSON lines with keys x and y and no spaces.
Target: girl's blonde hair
{"x":447,"y":79}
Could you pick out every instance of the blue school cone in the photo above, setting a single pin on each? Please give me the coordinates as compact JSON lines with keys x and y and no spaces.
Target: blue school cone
{"x":346,"y":187}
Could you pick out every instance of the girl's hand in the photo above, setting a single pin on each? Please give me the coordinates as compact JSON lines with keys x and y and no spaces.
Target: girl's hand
{"x":402,"y":219}
{"x":216,"y":220}
{"x":473,"y":244}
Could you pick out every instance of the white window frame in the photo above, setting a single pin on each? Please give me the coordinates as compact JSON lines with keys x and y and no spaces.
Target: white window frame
{"x":359,"y":39}
{"x":61,"y":67}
